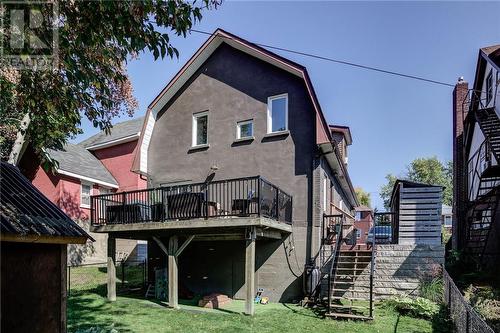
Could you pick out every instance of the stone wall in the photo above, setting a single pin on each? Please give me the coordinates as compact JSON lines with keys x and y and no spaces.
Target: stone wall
{"x":400,"y":268}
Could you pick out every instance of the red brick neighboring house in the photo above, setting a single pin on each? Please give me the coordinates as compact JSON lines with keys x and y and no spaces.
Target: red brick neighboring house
{"x":362,"y":223}
{"x":97,"y":165}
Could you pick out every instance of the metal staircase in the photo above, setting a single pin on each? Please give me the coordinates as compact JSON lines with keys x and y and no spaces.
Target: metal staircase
{"x":484,"y":185}
{"x":481,"y":218}
{"x":490,"y":125}
{"x":346,"y":273}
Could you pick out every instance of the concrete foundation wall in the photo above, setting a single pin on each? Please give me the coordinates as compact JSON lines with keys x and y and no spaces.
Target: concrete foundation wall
{"x":96,"y":252}
{"x":399,"y":269}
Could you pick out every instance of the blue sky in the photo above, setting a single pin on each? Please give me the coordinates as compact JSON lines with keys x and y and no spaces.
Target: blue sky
{"x":393,"y":120}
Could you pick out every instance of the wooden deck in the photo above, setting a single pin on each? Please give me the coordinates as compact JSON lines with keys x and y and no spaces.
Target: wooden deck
{"x":266,"y":227}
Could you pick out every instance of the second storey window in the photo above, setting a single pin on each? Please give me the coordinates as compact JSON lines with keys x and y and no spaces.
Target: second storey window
{"x":200,"y":129}
{"x":85,"y":195}
{"x":489,"y":87}
{"x":277,"y":113}
{"x":244,"y":129}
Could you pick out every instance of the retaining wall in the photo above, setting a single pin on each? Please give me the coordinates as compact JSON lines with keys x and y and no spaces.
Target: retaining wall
{"x":400,"y":268}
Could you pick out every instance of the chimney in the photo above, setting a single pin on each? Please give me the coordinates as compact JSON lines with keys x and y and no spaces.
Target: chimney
{"x":460,"y":108}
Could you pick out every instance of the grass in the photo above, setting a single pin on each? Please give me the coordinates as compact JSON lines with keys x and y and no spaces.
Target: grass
{"x":90,"y":312}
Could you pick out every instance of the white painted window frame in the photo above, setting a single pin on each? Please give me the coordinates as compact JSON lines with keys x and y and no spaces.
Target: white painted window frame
{"x":195,"y":128}
{"x":90,"y":185}
{"x":270,"y":111}
{"x":238,"y":129}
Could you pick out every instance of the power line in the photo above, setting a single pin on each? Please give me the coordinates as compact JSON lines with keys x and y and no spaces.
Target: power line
{"x":347,"y":63}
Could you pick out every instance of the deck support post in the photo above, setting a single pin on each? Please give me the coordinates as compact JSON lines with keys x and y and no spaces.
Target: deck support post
{"x":250,"y":271}
{"x":173,"y":276}
{"x":111,"y":268}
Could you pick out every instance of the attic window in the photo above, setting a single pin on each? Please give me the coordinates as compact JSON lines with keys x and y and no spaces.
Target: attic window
{"x":277,"y":113}
{"x":200,"y":129}
{"x":489,"y":87}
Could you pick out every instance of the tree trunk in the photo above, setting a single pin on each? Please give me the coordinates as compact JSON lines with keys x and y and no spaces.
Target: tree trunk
{"x":19,"y":145}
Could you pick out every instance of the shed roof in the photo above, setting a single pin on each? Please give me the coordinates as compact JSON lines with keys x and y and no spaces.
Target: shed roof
{"x":26,"y":215}
{"x":129,"y":129}
{"x":76,"y":161}
{"x":410,"y":184}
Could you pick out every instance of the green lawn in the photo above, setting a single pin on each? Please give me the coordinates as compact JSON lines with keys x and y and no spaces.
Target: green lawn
{"x":89,"y":310}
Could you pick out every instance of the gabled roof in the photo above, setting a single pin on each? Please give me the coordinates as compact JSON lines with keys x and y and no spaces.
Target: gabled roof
{"x":489,"y":54}
{"x":76,"y":161}
{"x":345,"y":130}
{"x":120,"y":133}
{"x":204,"y":52}
{"x":26,"y":215}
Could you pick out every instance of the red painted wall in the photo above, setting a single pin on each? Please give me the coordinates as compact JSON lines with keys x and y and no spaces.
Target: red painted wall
{"x":64,"y":191}
{"x":118,"y":160}
{"x":47,"y":183}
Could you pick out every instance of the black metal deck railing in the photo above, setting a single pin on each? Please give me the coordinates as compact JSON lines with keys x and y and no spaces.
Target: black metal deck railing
{"x":241,"y":197}
{"x":385,"y":229}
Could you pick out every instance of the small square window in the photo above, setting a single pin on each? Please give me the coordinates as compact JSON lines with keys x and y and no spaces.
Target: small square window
{"x":244,"y":129}
{"x":277,"y":113}
{"x":85,"y":195}
{"x":200,"y":129}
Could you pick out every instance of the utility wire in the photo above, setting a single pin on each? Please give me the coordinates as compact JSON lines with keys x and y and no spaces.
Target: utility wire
{"x":414,"y":77}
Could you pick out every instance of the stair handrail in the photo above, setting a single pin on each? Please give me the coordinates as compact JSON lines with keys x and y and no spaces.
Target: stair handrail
{"x":372,"y":269}
{"x":333,"y":263}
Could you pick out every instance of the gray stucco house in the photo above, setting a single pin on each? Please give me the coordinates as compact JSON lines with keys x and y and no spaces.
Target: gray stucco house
{"x":241,"y":167}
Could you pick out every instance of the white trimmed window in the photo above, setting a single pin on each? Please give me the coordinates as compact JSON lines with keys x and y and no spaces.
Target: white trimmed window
{"x":244,"y":129}
{"x":200,"y":129}
{"x":277,"y":113}
{"x":85,"y":193}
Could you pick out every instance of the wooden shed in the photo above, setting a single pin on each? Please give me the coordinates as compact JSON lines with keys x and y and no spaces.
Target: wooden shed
{"x":417,"y":212}
{"x":34,"y":234}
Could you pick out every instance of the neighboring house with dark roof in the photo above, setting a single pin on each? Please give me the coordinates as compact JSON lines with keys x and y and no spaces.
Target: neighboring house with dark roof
{"x":34,"y":234}
{"x":100,"y":164}
{"x":476,"y":161}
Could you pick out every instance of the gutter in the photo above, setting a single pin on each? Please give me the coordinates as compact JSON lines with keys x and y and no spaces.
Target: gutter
{"x":330,"y":152}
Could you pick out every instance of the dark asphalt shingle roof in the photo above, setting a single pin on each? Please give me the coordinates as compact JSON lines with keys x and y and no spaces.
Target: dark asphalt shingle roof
{"x":25,"y":211}
{"x":76,"y":159}
{"x":120,"y":130}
